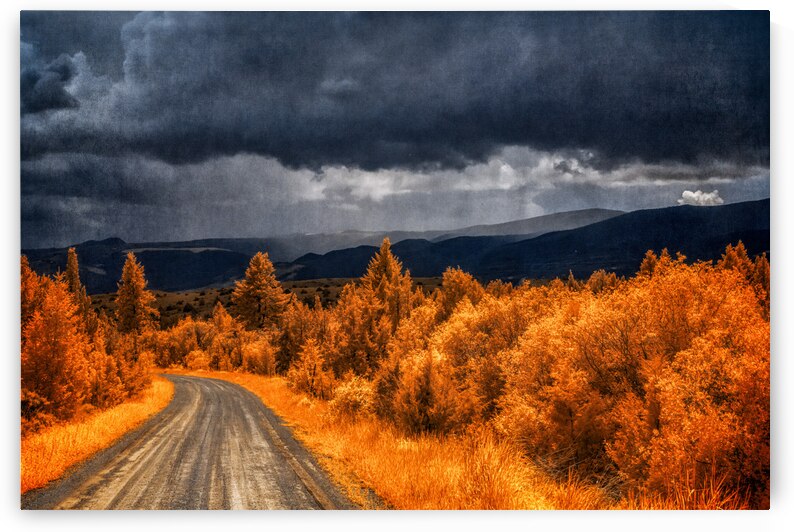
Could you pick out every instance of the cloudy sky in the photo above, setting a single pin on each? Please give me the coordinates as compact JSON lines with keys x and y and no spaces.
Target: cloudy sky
{"x":171,"y":126}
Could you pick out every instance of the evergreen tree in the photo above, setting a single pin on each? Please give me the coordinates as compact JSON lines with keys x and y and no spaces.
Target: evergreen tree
{"x":54,"y":350}
{"x":389,"y":285}
{"x":572,"y":283}
{"x":760,"y":281}
{"x":295,"y":330}
{"x":456,"y":285}
{"x":259,"y":298}
{"x":368,"y":315}
{"x":761,"y":272}
{"x":736,"y":258}
{"x":78,"y":291}
{"x":134,"y":310}
{"x":649,"y":263}
{"x":72,"y":271}
{"x":310,"y":373}
{"x":32,"y":290}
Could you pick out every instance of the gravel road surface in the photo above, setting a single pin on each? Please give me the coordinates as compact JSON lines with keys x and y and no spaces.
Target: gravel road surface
{"x":215,"y":446}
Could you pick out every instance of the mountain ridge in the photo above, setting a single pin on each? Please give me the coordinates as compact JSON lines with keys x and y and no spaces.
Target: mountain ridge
{"x":617,"y":244}
{"x":613,"y":240}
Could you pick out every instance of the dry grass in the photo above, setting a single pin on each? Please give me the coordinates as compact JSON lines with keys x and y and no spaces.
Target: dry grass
{"x":714,"y":496}
{"x":47,"y":454}
{"x":472,"y":471}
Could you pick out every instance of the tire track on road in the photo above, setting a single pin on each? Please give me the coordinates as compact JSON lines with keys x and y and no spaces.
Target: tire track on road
{"x":215,"y":446}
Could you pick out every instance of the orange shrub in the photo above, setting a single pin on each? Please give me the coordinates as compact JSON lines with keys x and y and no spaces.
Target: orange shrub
{"x":47,"y":454}
{"x":259,"y":356}
{"x":655,"y":387}
{"x":310,"y":372}
{"x":353,"y":398}
{"x":664,"y":382}
{"x":197,"y":359}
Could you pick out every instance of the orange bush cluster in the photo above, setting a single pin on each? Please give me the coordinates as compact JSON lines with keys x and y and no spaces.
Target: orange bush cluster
{"x":472,"y":471}
{"x":72,"y":360}
{"x":220,"y":343}
{"x":654,"y":386}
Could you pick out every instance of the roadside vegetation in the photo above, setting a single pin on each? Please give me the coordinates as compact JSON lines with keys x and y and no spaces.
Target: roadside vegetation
{"x":422,"y":471}
{"x":86,"y":377}
{"x":648,"y":392}
{"x":199,"y":303}
{"x":48,"y":453}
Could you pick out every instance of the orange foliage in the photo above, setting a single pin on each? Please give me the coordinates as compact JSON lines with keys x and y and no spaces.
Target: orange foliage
{"x":221,"y":343}
{"x":663,"y":382}
{"x":301,"y":323}
{"x":47,"y":454}
{"x":455,"y":286}
{"x":259,"y":298}
{"x":368,"y":315}
{"x":72,"y":360}
{"x":134,"y":311}
{"x":310,"y":372}
{"x":474,"y":470}
{"x":655,"y":387}
{"x":32,"y":291}
{"x":54,"y":358}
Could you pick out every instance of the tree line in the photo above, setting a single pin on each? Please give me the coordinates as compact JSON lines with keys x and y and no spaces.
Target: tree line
{"x":74,"y":360}
{"x":649,"y":383}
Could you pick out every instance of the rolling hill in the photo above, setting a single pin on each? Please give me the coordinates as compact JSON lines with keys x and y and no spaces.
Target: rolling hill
{"x":616,"y":244}
{"x":536,"y":226}
{"x":220,"y":261}
{"x":544,"y":247}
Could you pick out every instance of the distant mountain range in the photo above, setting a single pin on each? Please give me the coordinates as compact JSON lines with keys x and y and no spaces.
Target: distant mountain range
{"x":290,"y":247}
{"x":617,"y":244}
{"x":541,"y":247}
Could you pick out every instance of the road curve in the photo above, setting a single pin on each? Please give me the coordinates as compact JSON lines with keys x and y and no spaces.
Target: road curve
{"x":215,"y":446}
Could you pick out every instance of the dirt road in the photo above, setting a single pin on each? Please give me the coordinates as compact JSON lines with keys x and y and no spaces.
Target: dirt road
{"x":214,"y":447}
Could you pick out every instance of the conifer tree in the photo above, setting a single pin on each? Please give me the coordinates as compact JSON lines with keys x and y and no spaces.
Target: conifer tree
{"x":761,"y":272}
{"x":456,"y":285}
{"x":54,"y":349}
{"x":368,"y":315}
{"x":259,"y":298}
{"x":309,"y":374}
{"x":389,"y":285}
{"x":134,"y":310}
{"x":32,"y":288}
{"x":760,"y":281}
{"x":572,"y":283}
{"x":72,"y":271}
{"x":78,"y":291}
{"x":736,"y":258}
{"x":649,"y":262}
{"x":295,"y":330}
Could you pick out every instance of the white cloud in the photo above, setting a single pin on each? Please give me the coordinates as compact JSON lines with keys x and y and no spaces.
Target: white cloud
{"x":701,"y":198}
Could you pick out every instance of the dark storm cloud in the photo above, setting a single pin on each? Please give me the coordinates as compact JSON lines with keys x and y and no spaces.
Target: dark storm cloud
{"x":169,"y":126}
{"x":44,"y":88}
{"x":96,"y":34}
{"x":426,"y":90}
{"x":89,"y":176}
